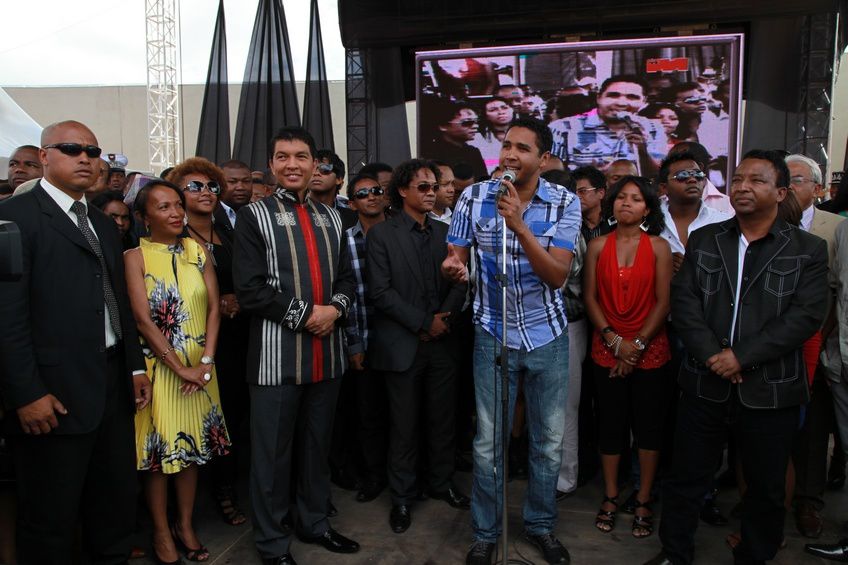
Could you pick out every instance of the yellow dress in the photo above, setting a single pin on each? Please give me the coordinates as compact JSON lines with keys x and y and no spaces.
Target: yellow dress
{"x":175,"y":430}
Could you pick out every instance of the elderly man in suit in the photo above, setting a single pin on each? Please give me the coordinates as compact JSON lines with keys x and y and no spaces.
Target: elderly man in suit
{"x":809,"y":455}
{"x":71,"y":368}
{"x":750,"y":292}
{"x":413,"y":305}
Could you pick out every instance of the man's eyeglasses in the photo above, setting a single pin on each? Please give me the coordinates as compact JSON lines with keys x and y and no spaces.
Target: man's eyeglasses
{"x":685,"y":175}
{"x":325,"y":168}
{"x":197,"y":186}
{"x":426,"y":187}
{"x":799,"y":180}
{"x":74,"y":149}
{"x":363,"y":193}
{"x":466,"y":123}
{"x":584,"y":191}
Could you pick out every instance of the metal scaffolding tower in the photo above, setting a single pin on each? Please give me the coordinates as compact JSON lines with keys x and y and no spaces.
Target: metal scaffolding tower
{"x":163,"y":103}
{"x":360,"y":134}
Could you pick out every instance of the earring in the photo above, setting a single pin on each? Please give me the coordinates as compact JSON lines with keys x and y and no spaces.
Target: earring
{"x":644,"y":226}
{"x":612,"y":221}
{"x":185,"y":220}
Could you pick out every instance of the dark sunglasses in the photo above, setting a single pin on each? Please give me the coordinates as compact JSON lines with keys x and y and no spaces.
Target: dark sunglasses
{"x":466,"y":123}
{"x":325,"y":168}
{"x":695,"y":100}
{"x":364,"y":192}
{"x":426,"y":187}
{"x":684,"y":175}
{"x":197,"y":186}
{"x":74,"y":149}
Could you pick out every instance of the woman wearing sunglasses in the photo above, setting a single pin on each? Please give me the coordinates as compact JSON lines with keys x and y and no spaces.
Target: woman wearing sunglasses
{"x":202,"y":182}
{"x":174,"y":297}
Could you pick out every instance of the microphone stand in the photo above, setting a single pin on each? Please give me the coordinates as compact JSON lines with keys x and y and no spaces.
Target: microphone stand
{"x":503,"y":359}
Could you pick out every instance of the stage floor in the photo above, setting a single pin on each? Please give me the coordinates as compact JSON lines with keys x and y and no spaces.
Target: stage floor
{"x":440,"y":534}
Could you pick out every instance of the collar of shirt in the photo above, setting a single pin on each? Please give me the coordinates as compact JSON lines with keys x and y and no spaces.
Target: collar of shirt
{"x":230,"y":212}
{"x":706,"y":215}
{"x":443,"y":217}
{"x":356,"y":230}
{"x":62,"y":199}
{"x":412,"y":225}
{"x":288,"y":196}
{"x":807,"y":218}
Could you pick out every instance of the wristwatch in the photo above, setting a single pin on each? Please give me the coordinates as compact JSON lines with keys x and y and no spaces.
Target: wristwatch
{"x":206,"y":360}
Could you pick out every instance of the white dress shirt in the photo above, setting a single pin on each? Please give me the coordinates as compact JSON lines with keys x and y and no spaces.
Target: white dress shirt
{"x":714,"y":198}
{"x":706,"y":215}
{"x":231,"y":214}
{"x":743,"y":250}
{"x":445,"y":217}
{"x":807,"y":218}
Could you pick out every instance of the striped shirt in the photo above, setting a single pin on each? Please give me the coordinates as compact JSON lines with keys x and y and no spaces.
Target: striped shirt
{"x":289,"y":256}
{"x":356,"y":329}
{"x":535,"y":310}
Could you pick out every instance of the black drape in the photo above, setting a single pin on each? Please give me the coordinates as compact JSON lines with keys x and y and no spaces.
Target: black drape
{"x":316,"y":101}
{"x":268,"y":97}
{"x":213,"y":135}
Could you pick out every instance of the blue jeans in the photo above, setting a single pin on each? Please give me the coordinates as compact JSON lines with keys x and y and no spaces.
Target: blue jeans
{"x":545,"y":372}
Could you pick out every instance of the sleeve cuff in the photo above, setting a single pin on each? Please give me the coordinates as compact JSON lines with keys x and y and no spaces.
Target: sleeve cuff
{"x":296,"y":313}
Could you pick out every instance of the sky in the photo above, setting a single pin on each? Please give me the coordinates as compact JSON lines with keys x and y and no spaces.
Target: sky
{"x":102,"y":42}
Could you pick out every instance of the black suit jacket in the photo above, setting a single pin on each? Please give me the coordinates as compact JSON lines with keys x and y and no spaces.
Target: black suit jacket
{"x":395,"y":287}
{"x":222,"y":222}
{"x":781,"y":304}
{"x":52,"y":332}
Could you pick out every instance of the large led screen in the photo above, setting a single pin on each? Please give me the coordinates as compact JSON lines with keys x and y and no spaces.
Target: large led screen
{"x":602,"y":100}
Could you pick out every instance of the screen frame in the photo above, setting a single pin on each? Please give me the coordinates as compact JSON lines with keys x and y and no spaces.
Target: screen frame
{"x":735,"y":41}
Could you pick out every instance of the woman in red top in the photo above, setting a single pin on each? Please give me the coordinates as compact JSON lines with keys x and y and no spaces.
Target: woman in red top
{"x":627,"y":278}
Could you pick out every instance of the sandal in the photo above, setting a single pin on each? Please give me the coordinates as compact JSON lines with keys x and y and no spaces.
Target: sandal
{"x":605,"y":519}
{"x":643,"y":526}
{"x":230,"y":512}
{"x":198,"y":554}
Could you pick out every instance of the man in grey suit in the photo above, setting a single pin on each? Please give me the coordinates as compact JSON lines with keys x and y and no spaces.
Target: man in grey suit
{"x":809,"y":454}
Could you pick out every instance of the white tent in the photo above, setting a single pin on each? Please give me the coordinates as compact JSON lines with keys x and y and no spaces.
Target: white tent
{"x":16,"y":128}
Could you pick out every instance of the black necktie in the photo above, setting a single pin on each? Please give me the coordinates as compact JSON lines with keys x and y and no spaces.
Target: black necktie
{"x":78,"y":208}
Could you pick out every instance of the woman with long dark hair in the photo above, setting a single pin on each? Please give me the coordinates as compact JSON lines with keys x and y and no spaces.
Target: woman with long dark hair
{"x":627,"y":277}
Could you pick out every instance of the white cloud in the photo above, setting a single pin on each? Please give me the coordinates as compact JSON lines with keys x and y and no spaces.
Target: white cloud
{"x":53,"y":42}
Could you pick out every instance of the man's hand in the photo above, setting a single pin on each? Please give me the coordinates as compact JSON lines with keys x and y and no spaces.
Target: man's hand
{"x":39,"y":416}
{"x":726,"y":365}
{"x":635,"y":135}
{"x":322,"y":320}
{"x":452,"y":268}
{"x":511,"y":208}
{"x":439,"y":326}
{"x":357,"y":361}
{"x":229,"y":306}
{"x":141,"y":388}
{"x":676,"y":261}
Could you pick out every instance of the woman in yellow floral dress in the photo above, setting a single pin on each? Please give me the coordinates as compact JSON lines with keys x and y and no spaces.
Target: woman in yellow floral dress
{"x":174,"y":296}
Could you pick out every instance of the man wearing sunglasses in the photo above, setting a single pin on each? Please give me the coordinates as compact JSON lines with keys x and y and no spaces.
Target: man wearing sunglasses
{"x":71,"y":367}
{"x":368,"y":421}
{"x":712,"y":129}
{"x":326,"y":184}
{"x":457,"y":125}
{"x":682,"y":181}
{"x":409,"y":341}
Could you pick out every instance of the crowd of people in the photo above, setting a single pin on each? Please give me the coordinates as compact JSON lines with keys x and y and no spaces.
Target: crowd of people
{"x":348,"y":330}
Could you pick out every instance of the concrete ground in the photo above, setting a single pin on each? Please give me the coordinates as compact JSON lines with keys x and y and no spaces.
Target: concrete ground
{"x":440,"y":534}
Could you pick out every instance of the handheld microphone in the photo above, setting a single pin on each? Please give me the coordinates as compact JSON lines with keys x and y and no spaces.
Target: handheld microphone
{"x":509,"y":175}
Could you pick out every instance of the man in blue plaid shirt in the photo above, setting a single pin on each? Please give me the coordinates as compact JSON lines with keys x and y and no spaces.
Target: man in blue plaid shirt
{"x":365,"y":196}
{"x":542,"y":225}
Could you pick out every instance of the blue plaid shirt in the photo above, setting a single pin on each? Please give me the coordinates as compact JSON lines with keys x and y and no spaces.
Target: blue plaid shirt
{"x":535,"y":310}
{"x":356,"y":329}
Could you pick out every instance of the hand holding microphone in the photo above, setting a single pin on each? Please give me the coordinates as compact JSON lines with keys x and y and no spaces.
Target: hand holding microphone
{"x":508,"y":202}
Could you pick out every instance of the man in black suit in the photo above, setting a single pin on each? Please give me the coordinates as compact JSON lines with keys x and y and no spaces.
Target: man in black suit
{"x":409,"y":342}
{"x":70,"y":363}
{"x":236,"y":193}
{"x":750,"y":292}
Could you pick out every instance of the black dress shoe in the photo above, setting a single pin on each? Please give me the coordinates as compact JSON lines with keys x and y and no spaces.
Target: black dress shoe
{"x":561,"y":495}
{"x":480,"y":553}
{"x":400,"y":518}
{"x":660,"y":559}
{"x":550,"y":547}
{"x":710,"y":514}
{"x":286,"y":559}
{"x":831,"y":551}
{"x":370,"y":491}
{"x":333,"y":541}
{"x":452,"y":497}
